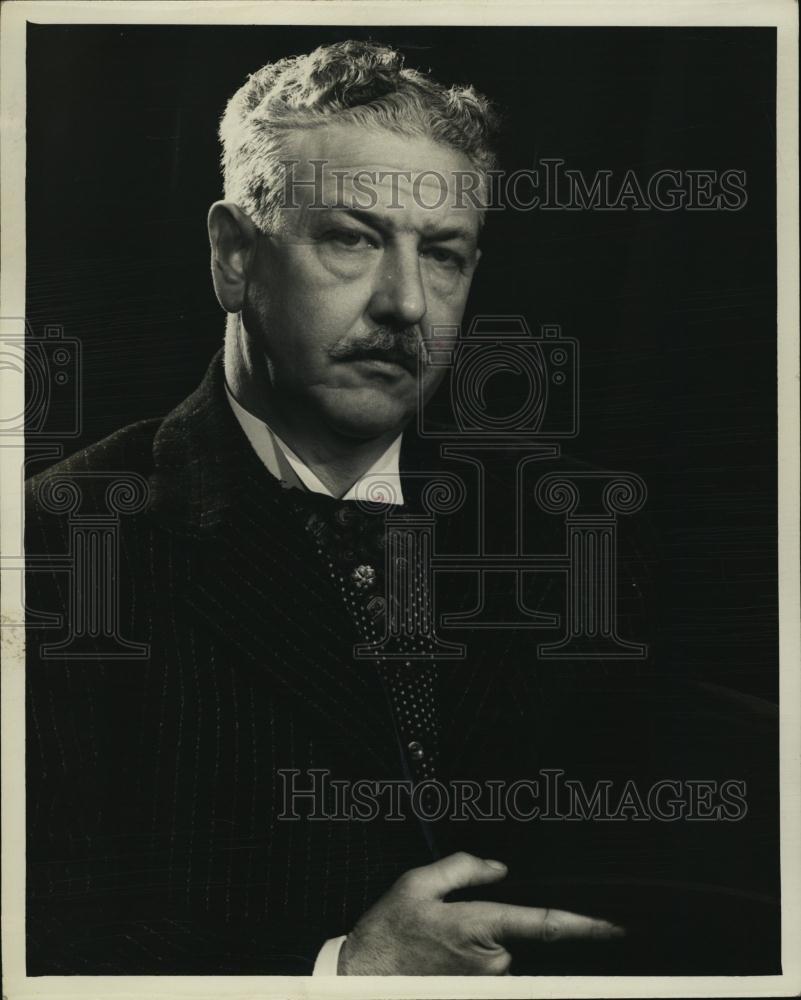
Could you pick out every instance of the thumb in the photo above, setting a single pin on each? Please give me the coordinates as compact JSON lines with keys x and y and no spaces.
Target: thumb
{"x":457,"y":871}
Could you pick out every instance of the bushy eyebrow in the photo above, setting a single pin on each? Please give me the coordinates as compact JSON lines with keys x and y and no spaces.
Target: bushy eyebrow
{"x":385,"y":224}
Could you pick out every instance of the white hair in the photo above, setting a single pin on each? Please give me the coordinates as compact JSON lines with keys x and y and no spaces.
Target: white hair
{"x":358,"y":82}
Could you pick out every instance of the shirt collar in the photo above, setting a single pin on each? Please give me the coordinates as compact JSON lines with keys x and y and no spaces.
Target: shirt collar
{"x":381,"y":483}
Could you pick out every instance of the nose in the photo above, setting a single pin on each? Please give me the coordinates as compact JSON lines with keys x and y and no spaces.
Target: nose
{"x":399,"y":297}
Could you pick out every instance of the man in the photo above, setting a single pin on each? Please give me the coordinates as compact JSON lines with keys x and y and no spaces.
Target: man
{"x":174,"y":824}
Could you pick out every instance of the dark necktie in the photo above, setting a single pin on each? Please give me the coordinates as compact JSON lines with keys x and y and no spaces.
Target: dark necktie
{"x":350,"y":539}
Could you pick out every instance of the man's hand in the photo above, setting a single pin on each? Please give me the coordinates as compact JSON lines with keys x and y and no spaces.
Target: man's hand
{"x":411,"y":931}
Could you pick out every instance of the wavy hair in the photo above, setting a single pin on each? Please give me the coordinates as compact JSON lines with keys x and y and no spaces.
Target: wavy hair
{"x":356,"y":82}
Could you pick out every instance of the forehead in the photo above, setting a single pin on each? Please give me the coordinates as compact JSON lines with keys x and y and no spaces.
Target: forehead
{"x":412,"y":181}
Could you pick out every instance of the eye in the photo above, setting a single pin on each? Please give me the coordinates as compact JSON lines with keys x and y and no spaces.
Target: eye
{"x":445,"y":258}
{"x":349,"y":239}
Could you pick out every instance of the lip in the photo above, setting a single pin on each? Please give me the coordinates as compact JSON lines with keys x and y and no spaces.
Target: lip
{"x":382,"y":366}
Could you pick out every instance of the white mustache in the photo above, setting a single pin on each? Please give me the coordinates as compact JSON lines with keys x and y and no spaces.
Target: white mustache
{"x":401,"y":346}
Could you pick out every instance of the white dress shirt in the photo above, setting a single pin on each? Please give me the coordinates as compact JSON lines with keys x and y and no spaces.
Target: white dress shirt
{"x":380,"y":484}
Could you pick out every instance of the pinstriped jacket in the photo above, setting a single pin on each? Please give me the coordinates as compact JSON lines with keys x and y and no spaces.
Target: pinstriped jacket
{"x":158,"y":841}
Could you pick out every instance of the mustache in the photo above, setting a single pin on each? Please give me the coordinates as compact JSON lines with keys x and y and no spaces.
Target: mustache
{"x":399,"y":346}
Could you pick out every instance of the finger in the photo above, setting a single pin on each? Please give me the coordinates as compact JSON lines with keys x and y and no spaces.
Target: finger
{"x":546,"y":925}
{"x":457,"y":871}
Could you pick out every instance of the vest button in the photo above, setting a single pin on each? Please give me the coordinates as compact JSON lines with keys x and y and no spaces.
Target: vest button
{"x":363,"y":577}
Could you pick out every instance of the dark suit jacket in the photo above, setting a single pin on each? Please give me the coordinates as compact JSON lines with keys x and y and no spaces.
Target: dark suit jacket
{"x":155,"y":843}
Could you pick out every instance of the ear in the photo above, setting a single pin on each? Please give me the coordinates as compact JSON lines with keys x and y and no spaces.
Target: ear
{"x":232,"y":235}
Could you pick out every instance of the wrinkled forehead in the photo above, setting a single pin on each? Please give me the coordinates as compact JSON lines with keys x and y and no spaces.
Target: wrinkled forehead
{"x":410,"y":180}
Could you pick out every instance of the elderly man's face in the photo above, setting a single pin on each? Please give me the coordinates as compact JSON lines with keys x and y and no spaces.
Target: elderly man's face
{"x":341,"y":297}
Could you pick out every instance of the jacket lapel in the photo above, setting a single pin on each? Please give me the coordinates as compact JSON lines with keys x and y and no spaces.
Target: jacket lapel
{"x":257,"y":584}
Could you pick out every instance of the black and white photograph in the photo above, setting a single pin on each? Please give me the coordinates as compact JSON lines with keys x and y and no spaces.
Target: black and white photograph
{"x":400,"y":499}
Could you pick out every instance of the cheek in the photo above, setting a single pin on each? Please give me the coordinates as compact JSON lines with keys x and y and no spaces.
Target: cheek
{"x":446,"y":300}
{"x":442,"y":333}
{"x":303,"y":310}
{"x":326,"y":305}
{"x":432,"y":380}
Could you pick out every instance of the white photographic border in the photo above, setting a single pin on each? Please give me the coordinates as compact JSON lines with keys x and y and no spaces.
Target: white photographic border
{"x":783,"y":14}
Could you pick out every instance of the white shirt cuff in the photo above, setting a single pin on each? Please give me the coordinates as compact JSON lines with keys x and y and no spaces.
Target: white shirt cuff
{"x":328,"y":958}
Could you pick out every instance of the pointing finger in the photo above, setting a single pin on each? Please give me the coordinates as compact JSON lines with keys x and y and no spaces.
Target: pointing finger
{"x":546,"y":925}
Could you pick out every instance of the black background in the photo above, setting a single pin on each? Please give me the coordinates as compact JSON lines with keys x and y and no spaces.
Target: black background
{"x":675,"y":312}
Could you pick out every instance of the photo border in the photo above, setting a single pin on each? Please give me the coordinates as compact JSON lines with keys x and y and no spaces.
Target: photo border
{"x":783,"y":14}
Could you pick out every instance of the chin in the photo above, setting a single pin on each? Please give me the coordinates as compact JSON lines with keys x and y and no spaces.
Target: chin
{"x":368,"y":418}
